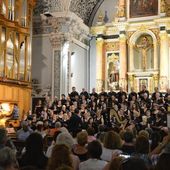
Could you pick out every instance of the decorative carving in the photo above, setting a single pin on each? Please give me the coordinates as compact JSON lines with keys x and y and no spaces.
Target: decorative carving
{"x":163,"y":6}
{"x":156,"y":32}
{"x":121,"y":11}
{"x":163,"y":83}
{"x":100,"y":17}
{"x":99,"y":85}
{"x":57,"y":61}
{"x":83,"y":8}
{"x":61,"y":25}
{"x":131,"y":80}
{"x":41,"y":7}
{"x":112,"y":46}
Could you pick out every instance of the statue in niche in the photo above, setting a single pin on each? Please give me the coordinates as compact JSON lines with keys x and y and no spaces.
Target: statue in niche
{"x":143,"y":47}
{"x":113,"y":71}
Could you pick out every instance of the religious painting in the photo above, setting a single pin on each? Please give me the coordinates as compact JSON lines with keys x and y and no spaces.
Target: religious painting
{"x":143,"y":8}
{"x":113,"y":67}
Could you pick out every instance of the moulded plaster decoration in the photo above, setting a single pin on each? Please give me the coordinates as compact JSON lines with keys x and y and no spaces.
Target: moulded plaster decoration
{"x":83,"y":8}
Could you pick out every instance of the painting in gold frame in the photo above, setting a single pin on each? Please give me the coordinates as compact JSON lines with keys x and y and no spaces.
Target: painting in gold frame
{"x":143,"y":8}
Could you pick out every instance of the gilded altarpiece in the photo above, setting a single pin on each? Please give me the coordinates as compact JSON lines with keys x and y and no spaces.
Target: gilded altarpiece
{"x":137,"y":51}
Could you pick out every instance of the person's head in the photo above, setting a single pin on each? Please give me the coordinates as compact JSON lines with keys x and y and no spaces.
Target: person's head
{"x":112,"y":140}
{"x":34,"y":144}
{"x":93,"y":90}
{"x":57,"y":125}
{"x":8,"y":159}
{"x":133,"y":163}
{"x":3,"y":136}
{"x":94,"y":149}
{"x":142,"y":145}
{"x":73,"y":88}
{"x":143,"y":87}
{"x":24,"y":125}
{"x":63,"y":96}
{"x":90,"y":131}
{"x":61,"y":155}
{"x":82,"y":138}
{"x":128,"y":137}
{"x":144,"y":133}
{"x":65,"y":138}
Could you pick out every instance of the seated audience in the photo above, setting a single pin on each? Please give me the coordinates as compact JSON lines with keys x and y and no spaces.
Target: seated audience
{"x":60,"y":156}
{"x":34,"y":154}
{"x":79,"y":149}
{"x":94,"y":162}
{"x":111,"y":145}
{"x":128,"y":145}
{"x":8,"y":159}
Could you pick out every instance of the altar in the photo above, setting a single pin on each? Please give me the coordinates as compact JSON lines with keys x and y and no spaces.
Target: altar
{"x":133,"y":50}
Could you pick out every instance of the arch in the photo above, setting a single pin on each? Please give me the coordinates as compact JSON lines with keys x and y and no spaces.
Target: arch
{"x":137,"y":34}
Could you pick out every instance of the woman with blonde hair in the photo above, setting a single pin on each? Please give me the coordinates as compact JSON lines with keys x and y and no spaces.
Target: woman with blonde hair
{"x":79,"y":149}
{"x":61,"y":155}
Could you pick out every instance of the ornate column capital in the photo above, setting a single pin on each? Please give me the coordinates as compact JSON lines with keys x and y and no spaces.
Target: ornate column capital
{"x":57,"y":40}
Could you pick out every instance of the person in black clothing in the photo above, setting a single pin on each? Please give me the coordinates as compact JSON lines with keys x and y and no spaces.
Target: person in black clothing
{"x":128,"y":147}
{"x":120,"y":93}
{"x":111,"y":93}
{"x":63,"y":99}
{"x":73,"y":94}
{"x":34,"y":155}
{"x":154,"y":94}
{"x":103,"y":93}
{"x":75,"y":123}
{"x":94,"y":93}
{"x":85,"y":93}
{"x":131,"y":94}
{"x":143,"y":91}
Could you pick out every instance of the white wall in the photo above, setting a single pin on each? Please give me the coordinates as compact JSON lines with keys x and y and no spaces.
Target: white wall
{"x":92,"y":63}
{"x":41,"y":60}
{"x":78,"y":67}
{"x":110,"y":7}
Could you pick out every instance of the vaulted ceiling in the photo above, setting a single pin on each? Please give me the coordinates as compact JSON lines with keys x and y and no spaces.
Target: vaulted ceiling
{"x":85,"y":9}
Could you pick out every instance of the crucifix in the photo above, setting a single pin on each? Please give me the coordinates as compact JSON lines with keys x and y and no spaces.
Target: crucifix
{"x":144,"y":46}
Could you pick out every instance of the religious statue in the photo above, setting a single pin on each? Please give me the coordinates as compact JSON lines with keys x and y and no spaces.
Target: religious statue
{"x":144,"y":45}
{"x":121,"y":11}
{"x":113,"y":71}
{"x":163,"y":6}
{"x":100,"y":17}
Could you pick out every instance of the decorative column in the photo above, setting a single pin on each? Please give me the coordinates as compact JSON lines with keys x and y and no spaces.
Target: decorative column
{"x":123,"y":62}
{"x":164,"y":54}
{"x":99,"y":63}
{"x":155,"y":55}
{"x":131,"y":58}
{"x":130,"y":82}
{"x":56,"y":43}
{"x":156,"y":80}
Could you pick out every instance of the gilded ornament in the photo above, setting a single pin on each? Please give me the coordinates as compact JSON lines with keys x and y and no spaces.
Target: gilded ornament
{"x":163,"y":6}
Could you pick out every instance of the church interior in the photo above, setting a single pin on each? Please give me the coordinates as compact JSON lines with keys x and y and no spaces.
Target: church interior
{"x":53,"y":52}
